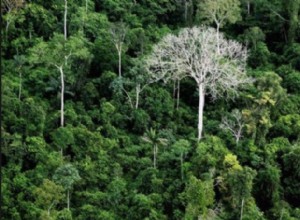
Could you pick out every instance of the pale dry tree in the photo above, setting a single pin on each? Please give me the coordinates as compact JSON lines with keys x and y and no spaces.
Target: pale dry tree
{"x":234,"y":124}
{"x":216,"y":64}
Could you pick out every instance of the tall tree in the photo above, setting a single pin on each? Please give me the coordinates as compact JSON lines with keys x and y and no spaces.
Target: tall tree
{"x":118,"y":33}
{"x":219,"y":12}
{"x":65,"y":19}
{"x":234,"y":124}
{"x":66,"y":175}
{"x":193,"y":53}
{"x":60,"y":54}
{"x":19,"y":62}
{"x":152,"y":137}
{"x":293,"y":7}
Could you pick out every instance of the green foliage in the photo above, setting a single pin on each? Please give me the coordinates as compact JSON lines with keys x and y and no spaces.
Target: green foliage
{"x":48,"y":195}
{"x":198,"y":196}
{"x":219,"y":12}
{"x":66,"y":175}
{"x":114,"y":127}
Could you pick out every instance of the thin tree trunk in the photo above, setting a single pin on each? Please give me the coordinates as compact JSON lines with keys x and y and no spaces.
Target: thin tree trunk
{"x":185,"y":11}
{"x":138,"y":90}
{"x":50,"y":207}
{"x":241,"y":218}
{"x":6,"y":29}
{"x":281,"y":214}
{"x":174,"y":89}
{"x":218,"y":36}
{"x":181,"y":165}
{"x":293,"y":20}
{"x":86,"y":6}
{"x":120,"y":62}
{"x":20,"y":85}
{"x":248,"y":7}
{"x":178,"y":94}
{"x":65,"y":19}
{"x":200,"y":110}
{"x":68,"y":200}
{"x":62,"y":97}
{"x":154,"y":156}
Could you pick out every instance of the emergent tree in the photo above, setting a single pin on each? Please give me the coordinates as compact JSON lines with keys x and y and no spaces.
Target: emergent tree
{"x":218,"y":69}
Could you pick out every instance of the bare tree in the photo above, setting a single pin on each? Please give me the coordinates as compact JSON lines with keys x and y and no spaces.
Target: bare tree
{"x":193,"y":53}
{"x":8,"y":5}
{"x":234,"y":124}
{"x":118,"y":32}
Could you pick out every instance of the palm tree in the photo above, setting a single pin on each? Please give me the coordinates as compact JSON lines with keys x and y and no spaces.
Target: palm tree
{"x":152,"y":137}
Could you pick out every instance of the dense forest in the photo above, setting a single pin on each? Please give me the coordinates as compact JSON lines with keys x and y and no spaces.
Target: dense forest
{"x":150,"y":109}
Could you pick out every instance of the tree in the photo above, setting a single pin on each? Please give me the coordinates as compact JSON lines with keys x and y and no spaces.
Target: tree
{"x":48,"y":195}
{"x":8,"y":5}
{"x":118,"y":33}
{"x":293,"y":8}
{"x":234,"y":124}
{"x":61,"y":54}
{"x":194,"y":53}
{"x":181,"y":148}
{"x":219,"y":12}
{"x":19,"y":61}
{"x":66,"y":175}
{"x":135,"y":85}
{"x":254,"y":35}
{"x":239,"y":183}
{"x":152,"y":137}
{"x":199,"y":196}
{"x":65,"y":19}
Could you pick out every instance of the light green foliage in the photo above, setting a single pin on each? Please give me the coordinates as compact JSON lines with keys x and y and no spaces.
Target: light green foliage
{"x":254,"y":35}
{"x":199,"y":197}
{"x":219,"y":12}
{"x":66,"y":175}
{"x":231,"y":163}
{"x":209,"y":154}
{"x":48,"y":195}
{"x":288,"y":126}
{"x":62,"y":137}
{"x":238,"y":186}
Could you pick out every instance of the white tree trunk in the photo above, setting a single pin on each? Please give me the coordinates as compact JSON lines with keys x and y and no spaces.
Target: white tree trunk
{"x":181,"y":165}
{"x":241,"y":218}
{"x":200,"y":110}
{"x":62,"y":96}
{"x":154,"y":155}
{"x":65,"y":19}
{"x":120,"y":61}
{"x":50,"y":207}
{"x":68,"y":199}
{"x":174,"y":88}
{"x":178,"y":94}
{"x":137,"y":98}
{"x":20,"y":85}
{"x":218,"y":37}
{"x":248,"y":7}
